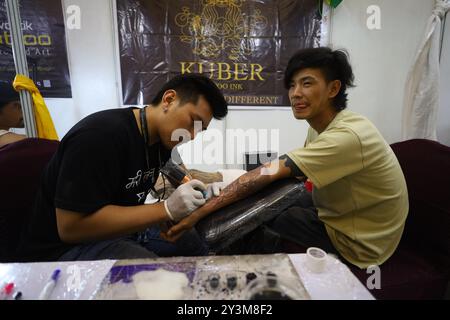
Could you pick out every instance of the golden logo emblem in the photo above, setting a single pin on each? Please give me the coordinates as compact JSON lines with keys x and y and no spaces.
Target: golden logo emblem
{"x":220,"y":27}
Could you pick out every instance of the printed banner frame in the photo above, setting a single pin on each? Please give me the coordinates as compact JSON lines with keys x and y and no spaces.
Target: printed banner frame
{"x":139,"y":92}
{"x":44,"y":38}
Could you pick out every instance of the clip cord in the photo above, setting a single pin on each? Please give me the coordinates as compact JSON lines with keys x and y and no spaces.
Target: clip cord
{"x":145,"y":135}
{"x":144,"y":128}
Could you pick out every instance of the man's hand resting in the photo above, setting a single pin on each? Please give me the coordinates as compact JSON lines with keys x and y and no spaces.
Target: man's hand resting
{"x":177,"y":230}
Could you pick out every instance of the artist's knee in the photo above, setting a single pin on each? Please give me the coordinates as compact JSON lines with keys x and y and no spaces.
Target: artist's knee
{"x":304,"y":201}
{"x":284,"y":218}
{"x":292,"y":213}
{"x":290,"y":218}
{"x":126,"y":249}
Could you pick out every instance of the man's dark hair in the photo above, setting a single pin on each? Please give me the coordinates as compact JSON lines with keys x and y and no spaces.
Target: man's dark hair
{"x":333,"y":64}
{"x":7,"y":93}
{"x":190,"y":87}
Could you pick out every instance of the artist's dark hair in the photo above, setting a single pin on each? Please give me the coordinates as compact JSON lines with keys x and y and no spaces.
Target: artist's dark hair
{"x":190,"y":87}
{"x":333,"y":64}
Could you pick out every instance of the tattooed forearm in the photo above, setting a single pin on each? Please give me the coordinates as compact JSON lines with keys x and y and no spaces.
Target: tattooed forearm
{"x":243,"y":187}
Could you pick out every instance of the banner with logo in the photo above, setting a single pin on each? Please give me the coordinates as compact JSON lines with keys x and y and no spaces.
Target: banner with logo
{"x":242,"y":45}
{"x":45,"y":45}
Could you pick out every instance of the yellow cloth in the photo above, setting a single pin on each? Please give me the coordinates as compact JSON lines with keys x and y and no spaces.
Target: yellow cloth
{"x":44,"y":123}
{"x":359,"y":188}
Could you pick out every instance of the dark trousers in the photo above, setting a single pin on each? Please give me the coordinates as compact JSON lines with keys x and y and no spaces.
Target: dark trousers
{"x":299,"y":224}
{"x":147,"y":244}
{"x":303,"y":227}
{"x":121,"y":248}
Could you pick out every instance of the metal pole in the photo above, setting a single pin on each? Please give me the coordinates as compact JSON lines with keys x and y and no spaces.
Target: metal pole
{"x":441,"y":44}
{"x":20,"y":61}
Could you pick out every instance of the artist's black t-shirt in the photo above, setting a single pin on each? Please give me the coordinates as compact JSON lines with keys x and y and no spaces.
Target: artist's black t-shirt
{"x":101,"y":161}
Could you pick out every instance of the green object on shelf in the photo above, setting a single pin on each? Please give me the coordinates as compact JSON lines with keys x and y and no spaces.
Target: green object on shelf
{"x":333,"y":3}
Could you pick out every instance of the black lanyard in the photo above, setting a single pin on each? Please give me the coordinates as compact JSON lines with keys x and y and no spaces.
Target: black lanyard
{"x":145,"y":136}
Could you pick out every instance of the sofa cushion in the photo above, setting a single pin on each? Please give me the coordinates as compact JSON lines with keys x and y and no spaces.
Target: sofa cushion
{"x":21,"y":165}
{"x":426,"y":166}
{"x":406,"y":275}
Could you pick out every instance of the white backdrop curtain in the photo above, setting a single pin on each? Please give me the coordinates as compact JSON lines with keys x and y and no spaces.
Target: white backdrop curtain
{"x":421,"y":99}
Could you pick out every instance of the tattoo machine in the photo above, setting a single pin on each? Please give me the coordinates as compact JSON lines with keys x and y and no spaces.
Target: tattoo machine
{"x":176,"y":174}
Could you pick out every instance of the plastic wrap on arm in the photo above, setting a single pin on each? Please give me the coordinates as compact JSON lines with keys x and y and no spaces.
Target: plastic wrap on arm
{"x":228,"y":224}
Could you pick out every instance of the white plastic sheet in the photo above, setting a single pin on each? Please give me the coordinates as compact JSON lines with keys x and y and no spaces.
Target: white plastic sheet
{"x":79,"y":280}
{"x":336,"y":282}
{"x":421,"y":99}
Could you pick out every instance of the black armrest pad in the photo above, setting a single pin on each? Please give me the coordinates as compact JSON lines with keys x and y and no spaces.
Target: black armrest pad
{"x":228,"y":224}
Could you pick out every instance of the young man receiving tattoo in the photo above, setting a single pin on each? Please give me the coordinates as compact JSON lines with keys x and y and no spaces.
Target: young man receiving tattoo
{"x":359,"y":200}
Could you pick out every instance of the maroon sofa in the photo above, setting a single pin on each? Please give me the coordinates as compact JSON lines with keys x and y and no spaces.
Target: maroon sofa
{"x":420,"y":267}
{"x":21,"y":165}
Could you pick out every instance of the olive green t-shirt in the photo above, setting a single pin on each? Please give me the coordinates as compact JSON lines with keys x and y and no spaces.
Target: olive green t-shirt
{"x":359,"y":188}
